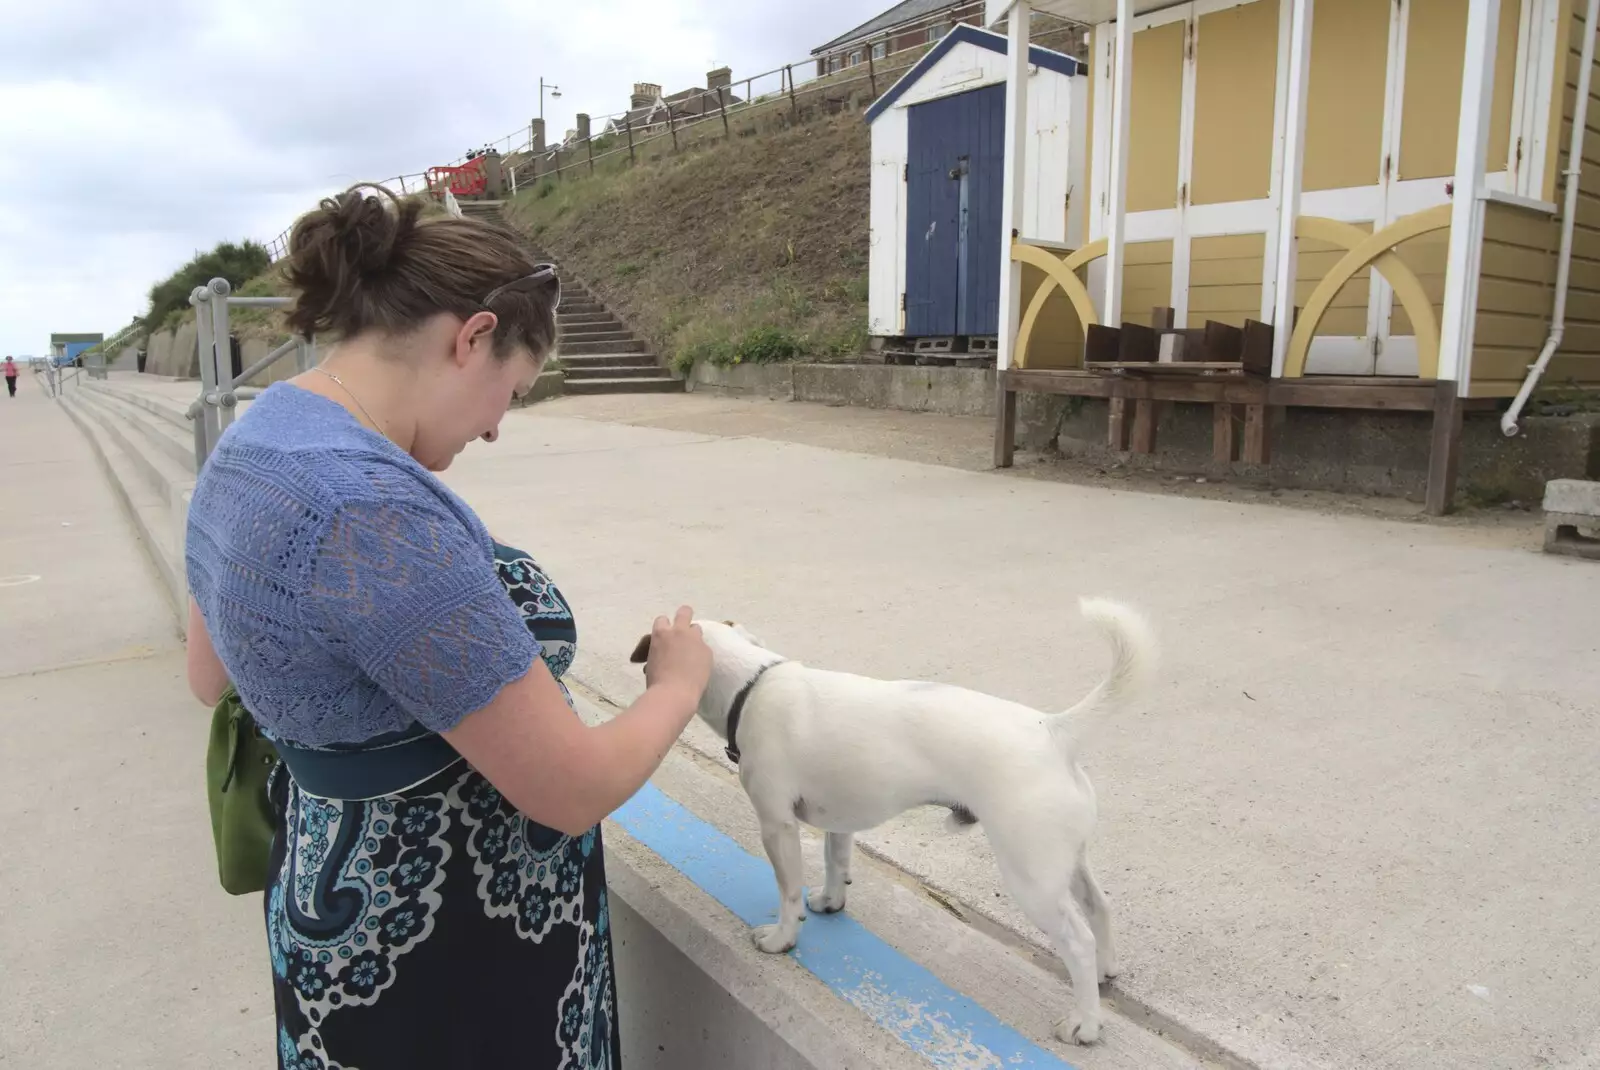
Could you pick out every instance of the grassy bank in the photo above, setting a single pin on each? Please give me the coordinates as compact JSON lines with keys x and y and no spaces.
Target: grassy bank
{"x":751,"y":249}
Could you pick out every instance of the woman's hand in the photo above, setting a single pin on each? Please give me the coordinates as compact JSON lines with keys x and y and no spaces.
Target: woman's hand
{"x":564,"y":774}
{"x":679,"y":657}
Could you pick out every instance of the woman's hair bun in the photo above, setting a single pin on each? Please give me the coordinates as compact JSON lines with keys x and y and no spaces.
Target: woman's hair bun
{"x":369,"y":261}
{"x":349,"y":241}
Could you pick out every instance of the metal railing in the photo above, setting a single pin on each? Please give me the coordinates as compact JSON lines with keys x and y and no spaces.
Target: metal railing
{"x":220,"y":390}
{"x":790,"y":87}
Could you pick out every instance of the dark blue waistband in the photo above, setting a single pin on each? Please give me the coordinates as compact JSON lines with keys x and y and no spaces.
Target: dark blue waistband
{"x":368,"y":774}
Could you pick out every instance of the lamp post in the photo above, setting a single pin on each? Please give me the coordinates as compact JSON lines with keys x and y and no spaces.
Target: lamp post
{"x":554,"y":90}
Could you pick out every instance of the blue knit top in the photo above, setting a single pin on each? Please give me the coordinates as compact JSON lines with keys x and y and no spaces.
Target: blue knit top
{"x":347,"y":591}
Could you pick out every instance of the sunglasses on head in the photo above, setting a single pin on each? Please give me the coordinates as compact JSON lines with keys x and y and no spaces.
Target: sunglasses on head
{"x":542,"y":275}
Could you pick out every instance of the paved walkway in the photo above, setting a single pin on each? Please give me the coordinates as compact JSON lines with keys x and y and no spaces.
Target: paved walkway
{"x":1355,"y":825}
{"x":104,"y":960}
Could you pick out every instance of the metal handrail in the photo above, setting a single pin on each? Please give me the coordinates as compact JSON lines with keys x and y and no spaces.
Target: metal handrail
{"x":220,"y":391}
{"x":795,"y":79}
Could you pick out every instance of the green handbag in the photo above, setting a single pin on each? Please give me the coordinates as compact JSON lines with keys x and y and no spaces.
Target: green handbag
{"x":238,"y":761}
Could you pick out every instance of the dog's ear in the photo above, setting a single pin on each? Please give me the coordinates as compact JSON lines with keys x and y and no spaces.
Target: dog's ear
{"x":747,"y":635}
{"x":641,"y":653}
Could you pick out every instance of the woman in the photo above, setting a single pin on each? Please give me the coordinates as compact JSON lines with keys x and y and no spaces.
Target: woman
{"x":11,"y":377}
{"x":437,"y":894}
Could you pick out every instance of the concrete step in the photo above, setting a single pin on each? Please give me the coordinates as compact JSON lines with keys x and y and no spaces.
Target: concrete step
{"x":157,"y":405}
{"x":608,"y":360}
{"x":659,"y":385}
{"x":586,"y":319}
{"x":599,"y":334}
{"x":578,"y":373}
{"x":584,"y":307}
{"x":577,"y":348}
{"x":159,"y":522}
{"x":162,"y":470}
{"x":155,"y":430}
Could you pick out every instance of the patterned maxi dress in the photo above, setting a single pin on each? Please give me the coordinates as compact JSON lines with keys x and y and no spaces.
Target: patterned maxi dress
{"x":439,"y":928}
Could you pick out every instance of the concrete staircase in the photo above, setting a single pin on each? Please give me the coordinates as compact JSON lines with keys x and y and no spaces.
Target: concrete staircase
{"x":145,"y":443}
{"x":599,"y":352}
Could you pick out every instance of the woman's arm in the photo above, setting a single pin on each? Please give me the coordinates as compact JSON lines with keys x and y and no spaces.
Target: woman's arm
{"x":207,"y":678}
{"x":564,"y":774}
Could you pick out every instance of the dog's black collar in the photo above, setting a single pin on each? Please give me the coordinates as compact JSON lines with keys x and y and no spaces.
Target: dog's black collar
{"x":736,"y":711}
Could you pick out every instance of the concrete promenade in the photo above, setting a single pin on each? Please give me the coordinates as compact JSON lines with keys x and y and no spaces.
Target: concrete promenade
{"x":1355,"y":824}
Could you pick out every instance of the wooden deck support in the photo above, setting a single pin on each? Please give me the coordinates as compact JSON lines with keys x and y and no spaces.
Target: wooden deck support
{"x":1133,"y":401}
{"x":1005,"y":426}
{"x":1444,"y":452}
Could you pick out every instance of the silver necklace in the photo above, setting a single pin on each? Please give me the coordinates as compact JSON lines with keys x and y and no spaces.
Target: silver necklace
{"x":352,"y":395}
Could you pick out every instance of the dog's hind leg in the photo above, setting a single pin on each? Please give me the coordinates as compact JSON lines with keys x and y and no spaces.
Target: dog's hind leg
{"x":1043,"y":887}
{"x":1076,"y":944}
{"x":1087,"y":891}
{"x":782,"y":841}
{"x":830,"y":900}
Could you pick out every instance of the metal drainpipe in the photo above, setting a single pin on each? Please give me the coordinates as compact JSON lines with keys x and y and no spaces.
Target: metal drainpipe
{"x":1569,"y":212}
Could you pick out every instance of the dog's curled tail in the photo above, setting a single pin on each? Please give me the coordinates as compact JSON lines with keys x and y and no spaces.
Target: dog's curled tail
{"x":1133,"y":662}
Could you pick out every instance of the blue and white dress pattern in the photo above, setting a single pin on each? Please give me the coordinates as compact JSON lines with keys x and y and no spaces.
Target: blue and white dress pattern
{"x":443,"y":905}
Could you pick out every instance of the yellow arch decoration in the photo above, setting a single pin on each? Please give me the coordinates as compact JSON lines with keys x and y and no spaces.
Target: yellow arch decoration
{"x":1058,"y":272}
{"x":1375,"y":250}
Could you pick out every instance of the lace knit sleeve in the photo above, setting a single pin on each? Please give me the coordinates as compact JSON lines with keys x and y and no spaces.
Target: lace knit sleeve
{"x":405,"y":593}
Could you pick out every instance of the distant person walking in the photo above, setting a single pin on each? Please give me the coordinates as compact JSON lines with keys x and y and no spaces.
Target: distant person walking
{"x":11,"y":377}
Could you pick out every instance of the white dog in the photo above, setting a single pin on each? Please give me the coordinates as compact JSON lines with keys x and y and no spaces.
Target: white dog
{"x":845,"y":753}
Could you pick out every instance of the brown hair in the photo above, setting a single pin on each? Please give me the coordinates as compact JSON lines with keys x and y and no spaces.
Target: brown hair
{"x":369,"y":261}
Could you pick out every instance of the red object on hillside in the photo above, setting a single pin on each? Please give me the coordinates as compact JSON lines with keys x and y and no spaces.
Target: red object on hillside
{"x":464,"y":181}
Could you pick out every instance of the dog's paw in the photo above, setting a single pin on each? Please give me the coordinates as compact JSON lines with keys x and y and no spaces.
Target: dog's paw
{"x":1075,"y":1030}
{"x":825,"y":903}
{"x":1109,"y":971}
{"x":773,"y":939}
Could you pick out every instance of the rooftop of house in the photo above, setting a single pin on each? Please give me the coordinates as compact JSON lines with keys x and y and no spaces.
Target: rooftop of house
{"x":908,"y":11}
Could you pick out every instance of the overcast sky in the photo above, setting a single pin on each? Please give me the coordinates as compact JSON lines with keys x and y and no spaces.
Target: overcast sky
{"x":133,"y":135}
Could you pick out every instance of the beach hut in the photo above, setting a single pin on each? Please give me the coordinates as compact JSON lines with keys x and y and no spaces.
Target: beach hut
{"x":1358,"y":204}
{"x":938,"y":165}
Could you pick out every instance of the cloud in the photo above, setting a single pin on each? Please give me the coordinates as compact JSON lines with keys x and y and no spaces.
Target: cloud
{"x":132,"y":136}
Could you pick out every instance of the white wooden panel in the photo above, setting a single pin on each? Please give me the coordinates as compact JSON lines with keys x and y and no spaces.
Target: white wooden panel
{"x":887,"y":256}
{"x":1050,"y":152}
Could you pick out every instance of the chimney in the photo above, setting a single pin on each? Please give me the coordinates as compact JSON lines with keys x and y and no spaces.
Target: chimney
{"x":583,"y":127}
{"x":721,"y":78}
{"x":644,"y":95}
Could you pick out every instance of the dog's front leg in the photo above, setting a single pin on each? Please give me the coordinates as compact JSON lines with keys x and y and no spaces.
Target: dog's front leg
{"x":782,"y":841}
{"x":830,"y":900}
